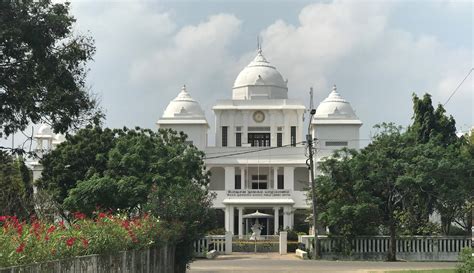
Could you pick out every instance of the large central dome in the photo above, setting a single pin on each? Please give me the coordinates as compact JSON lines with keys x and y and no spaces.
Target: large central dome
{"x":259,"y":80}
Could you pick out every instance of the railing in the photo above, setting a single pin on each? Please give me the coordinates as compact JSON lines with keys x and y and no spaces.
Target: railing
{"x":407,"y":247}
{"x":260,"y":238}
{"x":208,"y":243}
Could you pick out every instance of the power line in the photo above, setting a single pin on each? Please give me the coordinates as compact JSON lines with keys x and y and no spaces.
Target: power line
{"x":455,"y":90}
{"x":254,"y":151}
{"x":233,"y":153}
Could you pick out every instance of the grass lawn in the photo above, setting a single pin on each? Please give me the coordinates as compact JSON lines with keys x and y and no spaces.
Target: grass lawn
{"x":424,"y":271}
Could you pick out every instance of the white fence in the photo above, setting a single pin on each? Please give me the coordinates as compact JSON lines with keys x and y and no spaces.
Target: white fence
{"x":417,"y":248}
{"x":221,"y":243}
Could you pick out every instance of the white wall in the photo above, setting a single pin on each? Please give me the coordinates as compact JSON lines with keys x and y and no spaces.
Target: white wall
{"x":339,"y":132}
{"x":197,"y":133}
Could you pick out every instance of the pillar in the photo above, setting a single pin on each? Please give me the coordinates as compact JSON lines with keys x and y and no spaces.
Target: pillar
{"x":241,"y":229}
{"x":229,"y":178}
{"x":231,"y":220}
{"x":242,"y":178}
{"x":277,"y":219}
{"x":227,"y":218}
{"x":283,"y":242}
{"x":275,"y":178}
{"x":289,"y":173}
{"x":285,"y":218}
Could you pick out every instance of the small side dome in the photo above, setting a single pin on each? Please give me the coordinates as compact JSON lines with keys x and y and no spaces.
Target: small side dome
{"x":183,"y":106}
{"x":44,"y":131}
{"x":259,"y":72}
{"x":335,"y":107}
{"x":183,"y":110}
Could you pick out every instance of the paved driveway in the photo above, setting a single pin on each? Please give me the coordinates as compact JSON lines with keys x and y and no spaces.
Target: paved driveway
{"x":275,"y":263}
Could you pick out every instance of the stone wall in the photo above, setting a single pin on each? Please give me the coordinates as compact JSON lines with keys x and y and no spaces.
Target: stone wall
{"x":156,"y":260}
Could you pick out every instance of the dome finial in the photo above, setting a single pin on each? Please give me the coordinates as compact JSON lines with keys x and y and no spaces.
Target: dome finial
{"x":184,"y":88}
{"x":259,"y":45}
{"x":334,"y":88}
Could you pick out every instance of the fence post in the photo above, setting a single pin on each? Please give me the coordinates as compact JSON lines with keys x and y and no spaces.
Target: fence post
{"x":283,"y":242}
{"x":228,"y":242}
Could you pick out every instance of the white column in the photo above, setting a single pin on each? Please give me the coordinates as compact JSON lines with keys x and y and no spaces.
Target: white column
{"x":283,"y":242}
{"x":275,"y":178}
{"x":277,"y":219}
{"x":242,"y":177}
{"x":289,"y":177}
{"x":299,"y":129}
{"x":227,"y":218}
{"x":231,"y":220}
{"x":285,"y":217}
{"x":229,"y":178}
{"x":245,"y":127}
{"x":241,"y":229}
{"x":218,"y":129}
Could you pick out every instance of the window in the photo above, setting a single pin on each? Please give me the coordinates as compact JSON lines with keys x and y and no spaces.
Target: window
{"x":281,"y":182}
{"x":279,"y":139}
{"x":238,"y":139}
{"x":259,"y":139}
{"x":224,"y":136}
{"x":259,"y":182}
{"x":238,"y":182}
{"x":238,"y":128}
{"x":293,"y":136}
{"x":336,"y":143}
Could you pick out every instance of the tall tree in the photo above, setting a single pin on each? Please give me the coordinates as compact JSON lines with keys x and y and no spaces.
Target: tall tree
{"x":16,"y":196}
{"x":429,"y":123}
{"x":42,"y":68}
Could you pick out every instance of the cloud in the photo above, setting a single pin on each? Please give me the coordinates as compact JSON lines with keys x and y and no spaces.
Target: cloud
{"x":144,"y":55}
{"x":195,"y":55}
{"x":377,"y":66}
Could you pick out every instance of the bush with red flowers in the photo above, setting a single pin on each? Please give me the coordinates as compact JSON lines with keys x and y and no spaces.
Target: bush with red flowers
{"x":39,"y":241}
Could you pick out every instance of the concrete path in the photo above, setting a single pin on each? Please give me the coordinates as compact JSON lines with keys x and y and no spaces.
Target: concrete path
{"x":275,"y":263}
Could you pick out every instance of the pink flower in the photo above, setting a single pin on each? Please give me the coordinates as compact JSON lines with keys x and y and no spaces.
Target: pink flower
{"x":51,"y":229}
{"x":20,"y":248}
{"x":70,"y":241}
{"x":85,"y":243}
{"x":79,"y":215}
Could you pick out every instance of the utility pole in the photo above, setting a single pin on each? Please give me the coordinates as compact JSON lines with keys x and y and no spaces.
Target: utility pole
{"x":310,"y":164}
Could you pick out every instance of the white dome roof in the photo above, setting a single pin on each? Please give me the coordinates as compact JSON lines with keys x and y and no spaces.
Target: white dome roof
{"x":44,"y":131}
{"x":335,"y":107}
{"x":183,"y":107}
{"x":259,"y":72}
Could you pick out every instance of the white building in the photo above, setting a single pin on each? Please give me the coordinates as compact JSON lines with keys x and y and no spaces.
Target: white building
{"x":258,"y":162}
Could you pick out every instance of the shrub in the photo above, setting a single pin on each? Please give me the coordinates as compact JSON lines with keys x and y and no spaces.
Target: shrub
{"x":41,"y":241}
{"x":217,"y":231}
{"x":466,"y":259}
{"x":292,"y":246}
{"x":249,"y":246}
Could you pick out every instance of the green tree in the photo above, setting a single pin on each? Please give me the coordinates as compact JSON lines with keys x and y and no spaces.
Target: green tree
{"x":429,"y":123}
{"x":134,"y":170}
{"x":42,"y":68}
{"x":16,"y":196}
{"x":79,"y":158}
{"x":447,"y":170}
{"x":346,"y":206}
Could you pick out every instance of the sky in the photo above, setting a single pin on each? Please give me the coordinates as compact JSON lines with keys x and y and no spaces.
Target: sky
{"x":377,"y":53}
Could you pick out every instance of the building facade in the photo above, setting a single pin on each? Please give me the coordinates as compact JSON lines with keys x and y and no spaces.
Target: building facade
{"x":258,"y":164}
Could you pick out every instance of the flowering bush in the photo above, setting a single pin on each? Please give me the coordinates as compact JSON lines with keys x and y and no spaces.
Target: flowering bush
{"x":38,"y":241}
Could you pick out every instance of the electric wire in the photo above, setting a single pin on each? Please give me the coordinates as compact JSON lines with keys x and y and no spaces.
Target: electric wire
{"x":455,"y":90}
